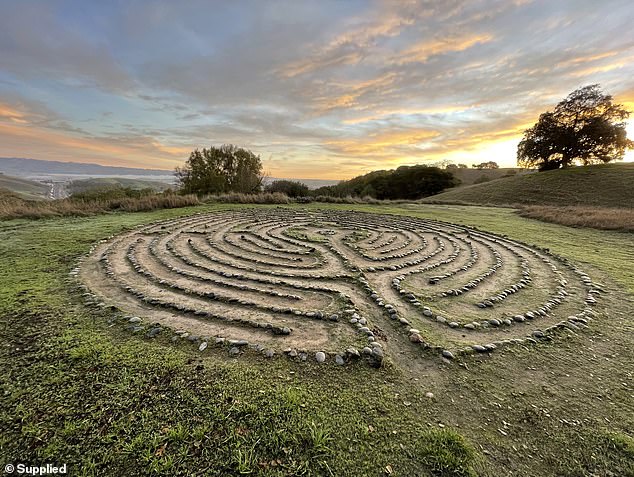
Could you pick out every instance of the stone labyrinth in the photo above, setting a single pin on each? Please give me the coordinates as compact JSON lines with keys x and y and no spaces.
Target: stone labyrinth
{"x":335,"y":285}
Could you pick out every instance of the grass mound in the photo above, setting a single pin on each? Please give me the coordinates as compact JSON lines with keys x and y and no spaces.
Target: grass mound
{"x":599,"y":186}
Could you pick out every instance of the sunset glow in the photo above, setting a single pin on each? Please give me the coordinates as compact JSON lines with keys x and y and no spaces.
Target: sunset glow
{"x":317,"y":89}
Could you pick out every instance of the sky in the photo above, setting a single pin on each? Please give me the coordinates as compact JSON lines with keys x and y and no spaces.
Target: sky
{"x":319,"y":89}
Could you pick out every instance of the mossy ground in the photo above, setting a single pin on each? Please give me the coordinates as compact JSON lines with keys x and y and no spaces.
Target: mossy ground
{"x":78,"y":389}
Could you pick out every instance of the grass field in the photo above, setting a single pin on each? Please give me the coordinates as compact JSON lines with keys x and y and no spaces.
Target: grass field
{"x":600,"y":186}
{"x":80,"y":390}
{"x":83,"y":185}
{"x":23,"y":187}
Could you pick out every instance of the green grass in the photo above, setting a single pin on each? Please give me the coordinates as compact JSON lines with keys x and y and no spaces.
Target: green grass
{"x":23,"y":187}
{"x":77,"y":388}
{"x":602,"y":186}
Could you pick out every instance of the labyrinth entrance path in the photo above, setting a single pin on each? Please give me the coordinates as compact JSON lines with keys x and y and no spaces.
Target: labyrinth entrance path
{"x":337,"y":286}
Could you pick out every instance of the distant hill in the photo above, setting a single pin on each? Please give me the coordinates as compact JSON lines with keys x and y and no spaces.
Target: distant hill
{"x":23,"y":187}
{"x":609,"y":185}
{"x":84,"y":185}
{"x":476,"y":176}
{"x":18,"y":166}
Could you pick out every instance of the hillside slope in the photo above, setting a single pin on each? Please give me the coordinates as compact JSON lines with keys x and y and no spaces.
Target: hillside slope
{"x":24,"y":187}
{"x":610,"y":185}
{"x":469,"y":177}
{"x":84,"y":185}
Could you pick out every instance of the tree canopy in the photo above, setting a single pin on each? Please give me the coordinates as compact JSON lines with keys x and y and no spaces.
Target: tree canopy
{"x":290,"y":188}
{"x":585,"y":128}
{"x":406,"y":182}
{"x":227,"y":168}
{"x":486,"y":165}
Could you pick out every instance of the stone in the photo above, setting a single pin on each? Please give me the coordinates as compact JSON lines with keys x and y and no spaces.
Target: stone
{"x":238,"y":342}
{"x":339,"y":360}
{"x":135,"y":319}
{"x":447,"y":354}
{"x":154,"y":332}
{"x":415,"y":338}
{"x":320,"y":356}
{"x":203,"y":346}
{"x":234,"y":351}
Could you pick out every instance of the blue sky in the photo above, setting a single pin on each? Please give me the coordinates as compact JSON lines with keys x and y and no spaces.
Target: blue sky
{"x":318,"y":89}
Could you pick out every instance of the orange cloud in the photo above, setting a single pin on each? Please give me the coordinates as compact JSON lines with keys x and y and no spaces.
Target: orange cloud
{"x":11,"y":114}
{"x":381,"y":144}
{"x":421,"y":52}
{"x":29,"y":141}
{"x":601,"y":69}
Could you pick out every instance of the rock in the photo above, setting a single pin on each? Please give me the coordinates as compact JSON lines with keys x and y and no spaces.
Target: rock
{"x":538,"y":334}
{"x":203,"y":346}
{"x":366,"y":350}
{"x":238,"y":342}
{"x":220,"y":340}
{"x":495,"y":322}
{"x":234,"y":351}
{"x":135,"y":319}
{"x":154,"y":332}
{"x":269,"y":353}
{"x":427,"y":313}
{"x":293,"y":353}
{"x":479,"y":348}
{"x":429,"y":395}
{"x":414,"y":331}
{"x":415,"y":338}
{"x":339,"y":360}
{"x":454,"y":324}
{"x":320,"y":356}
{"x":469,"y":326}
{"x":447,"y":354}
{"x":353,"y":352}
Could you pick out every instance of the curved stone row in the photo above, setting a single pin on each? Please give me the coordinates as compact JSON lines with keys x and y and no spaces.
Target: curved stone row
{"x":336,"y":286}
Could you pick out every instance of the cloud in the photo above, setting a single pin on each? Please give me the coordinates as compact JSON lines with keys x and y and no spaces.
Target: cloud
{"x":421,"y":52}
{"x":324,"y":88}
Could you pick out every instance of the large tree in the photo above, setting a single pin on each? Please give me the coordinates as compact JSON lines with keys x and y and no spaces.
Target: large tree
{"x":585,"y":128}
{"x":227,"y":168}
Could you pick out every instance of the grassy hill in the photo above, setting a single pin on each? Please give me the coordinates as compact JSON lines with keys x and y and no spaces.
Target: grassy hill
{"x":609,"y":185}
{"x":84,"y":185}
{"x":476,"y":176}
{"x":24,"y":187}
